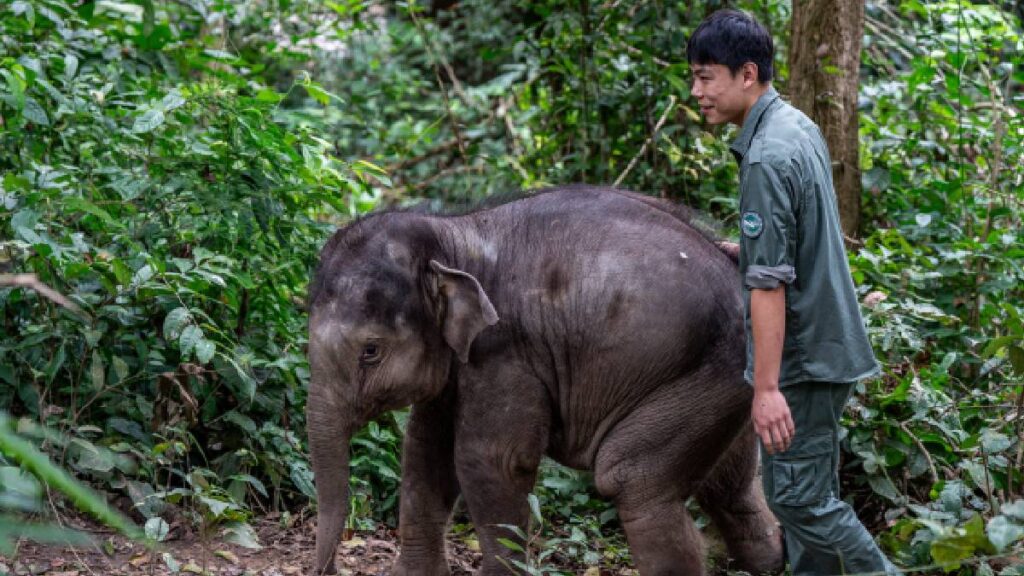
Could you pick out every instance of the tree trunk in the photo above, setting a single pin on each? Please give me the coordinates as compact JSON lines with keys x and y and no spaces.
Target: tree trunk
{"x":824,"y":63}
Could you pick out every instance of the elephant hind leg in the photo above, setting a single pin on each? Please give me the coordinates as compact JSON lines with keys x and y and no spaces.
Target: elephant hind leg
{"x":644,"y":482}
{"x":663,"y":538}
{"x":731,"y":495}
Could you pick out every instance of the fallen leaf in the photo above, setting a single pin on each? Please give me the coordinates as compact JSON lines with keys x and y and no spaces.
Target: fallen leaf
{"x":227,"y":555}
{"x":355,"y":542}
{"x":140,"y":560}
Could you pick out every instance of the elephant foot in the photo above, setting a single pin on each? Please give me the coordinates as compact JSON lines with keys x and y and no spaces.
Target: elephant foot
{"x":329,"y":569}
{"x":763,"y":555}
{"x":420,"y":567}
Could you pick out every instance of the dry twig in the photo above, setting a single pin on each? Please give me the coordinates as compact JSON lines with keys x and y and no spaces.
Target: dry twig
{"x":650,"y":138}
{"x":33,"y":282}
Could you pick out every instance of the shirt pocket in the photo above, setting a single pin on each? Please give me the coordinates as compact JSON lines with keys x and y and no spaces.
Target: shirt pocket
{"x":803,"y":474}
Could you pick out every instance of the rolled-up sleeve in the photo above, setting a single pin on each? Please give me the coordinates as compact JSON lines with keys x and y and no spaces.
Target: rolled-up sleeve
{"x":768,"y":228}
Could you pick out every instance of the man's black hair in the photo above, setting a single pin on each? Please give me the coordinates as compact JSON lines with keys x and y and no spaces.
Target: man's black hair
{"x":732,"y":38}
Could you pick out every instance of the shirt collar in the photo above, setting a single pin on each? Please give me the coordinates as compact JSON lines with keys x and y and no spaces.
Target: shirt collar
{"x":742,"y":142}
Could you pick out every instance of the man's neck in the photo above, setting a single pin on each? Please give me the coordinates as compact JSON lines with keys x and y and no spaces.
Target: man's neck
{"x":755,"y":95}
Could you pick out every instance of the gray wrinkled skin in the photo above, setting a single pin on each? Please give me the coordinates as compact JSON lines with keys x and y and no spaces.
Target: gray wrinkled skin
{"x":592,"y":325}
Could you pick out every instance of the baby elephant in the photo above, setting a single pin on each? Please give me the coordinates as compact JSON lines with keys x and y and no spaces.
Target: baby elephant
{"x":593,"y":325}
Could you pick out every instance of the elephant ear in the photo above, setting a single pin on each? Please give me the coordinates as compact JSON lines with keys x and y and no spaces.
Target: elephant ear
{"x":466,"y":309}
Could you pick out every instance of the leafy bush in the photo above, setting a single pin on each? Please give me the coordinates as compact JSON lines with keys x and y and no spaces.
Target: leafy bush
{"x":151,"y":177}
{"x":940,"y":435}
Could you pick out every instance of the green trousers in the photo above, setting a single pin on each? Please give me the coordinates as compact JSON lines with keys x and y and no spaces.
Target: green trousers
{"x":823,"y":534}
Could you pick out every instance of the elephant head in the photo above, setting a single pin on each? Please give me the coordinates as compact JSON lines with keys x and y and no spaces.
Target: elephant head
{"x":388,"y":317}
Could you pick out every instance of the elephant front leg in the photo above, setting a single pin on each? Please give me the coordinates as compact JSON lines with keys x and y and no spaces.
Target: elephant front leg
{"x":497,"y":480}
{"x":429,"y":490}
{"x":499,"y":444}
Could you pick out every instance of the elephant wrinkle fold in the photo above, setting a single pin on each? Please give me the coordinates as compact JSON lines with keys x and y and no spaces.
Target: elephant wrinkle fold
{"x":563,"y":323}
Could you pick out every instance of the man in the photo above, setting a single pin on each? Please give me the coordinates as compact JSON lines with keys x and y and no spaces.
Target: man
{"x":806,"y":343}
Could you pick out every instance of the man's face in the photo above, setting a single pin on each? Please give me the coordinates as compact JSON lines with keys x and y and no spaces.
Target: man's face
{"x":722,"y":95}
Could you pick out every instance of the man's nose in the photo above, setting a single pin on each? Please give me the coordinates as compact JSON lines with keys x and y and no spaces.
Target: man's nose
{"x":695,"y":91}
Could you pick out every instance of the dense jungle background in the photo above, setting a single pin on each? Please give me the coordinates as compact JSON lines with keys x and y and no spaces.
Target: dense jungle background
{"x":172,"y":167}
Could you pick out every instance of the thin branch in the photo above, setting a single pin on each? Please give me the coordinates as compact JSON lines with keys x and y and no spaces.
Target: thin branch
{"x":639,"y":52}
{"x":924,"y":451}
{"x":440,"y":60}
{"x":32,"y":281}
{"x":442,"y":174}
{"x":650,"y":138}
{"x":1020,"y":441}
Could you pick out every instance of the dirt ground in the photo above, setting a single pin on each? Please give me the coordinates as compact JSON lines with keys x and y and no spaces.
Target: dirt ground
{"x":286,"y":551}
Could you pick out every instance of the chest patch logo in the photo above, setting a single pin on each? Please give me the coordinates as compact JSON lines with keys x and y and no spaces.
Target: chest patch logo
{"x":752,"y":224}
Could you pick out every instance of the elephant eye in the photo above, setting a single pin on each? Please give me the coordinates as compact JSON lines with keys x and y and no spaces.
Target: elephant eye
{"x":370,"y":354}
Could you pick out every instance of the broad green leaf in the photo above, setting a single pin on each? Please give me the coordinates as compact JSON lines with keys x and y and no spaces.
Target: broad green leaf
{"x":302,"y":478}
{"x":884,"y":487}
{"x":97,"y":371}
{"x":190,"y":336}
{"x":219,"y":54}
{"x":120,"y":368}
{"x":996,"y":344}
{"x":34,"y":112}
{"x":21,"y":7}
{"x":82,"y":205}
{"x":70,"y":67}
{"x":149,"y":121}
{"x":242,"y":534}
{"x":1003,"y":532}
{"x":17,"y":481}
{"x":157,"y":529}
{"x":216,"y":507}
{"x":144,"y":499}
{"x":535,"y":508}
{"x":172,"y":101}
{"x":1014,"y":510}
{"x":252,"y":481}
{"x":510,"y":544}
{"x":954,"y":546}
{"x":175,"y":323}
{"x":267,"y":95}
{"x":173,"y":565}
{"x":993,"y":441}
{"x":204,"y":350}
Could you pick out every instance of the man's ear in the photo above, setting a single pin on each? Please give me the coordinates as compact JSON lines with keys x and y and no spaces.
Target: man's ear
{"x":464,"y":309}
{"x":749,"y":71}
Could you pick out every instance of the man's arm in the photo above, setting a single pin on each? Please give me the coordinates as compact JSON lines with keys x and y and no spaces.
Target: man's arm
{"x":770,"y":412}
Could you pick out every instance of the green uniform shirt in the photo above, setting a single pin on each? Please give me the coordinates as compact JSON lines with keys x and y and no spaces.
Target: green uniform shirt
{"x":790,"y":234}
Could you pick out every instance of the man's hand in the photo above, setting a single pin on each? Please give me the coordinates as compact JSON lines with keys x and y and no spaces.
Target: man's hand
{"x":772,"y":420}
{"x":770,"y":412}
{"x":731,"y":249}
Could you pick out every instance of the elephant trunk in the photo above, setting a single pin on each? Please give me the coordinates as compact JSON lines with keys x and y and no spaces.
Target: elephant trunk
{"x":329,"y":434}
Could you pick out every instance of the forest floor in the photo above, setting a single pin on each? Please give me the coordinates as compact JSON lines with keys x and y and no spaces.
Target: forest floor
{"x":286,"y":551}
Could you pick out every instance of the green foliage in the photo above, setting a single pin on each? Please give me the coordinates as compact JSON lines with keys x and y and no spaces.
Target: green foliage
{"x":173,"y":168}
{"x":939,"y":436}
{"x":21,"y":479}
{"x":152,"y":177}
